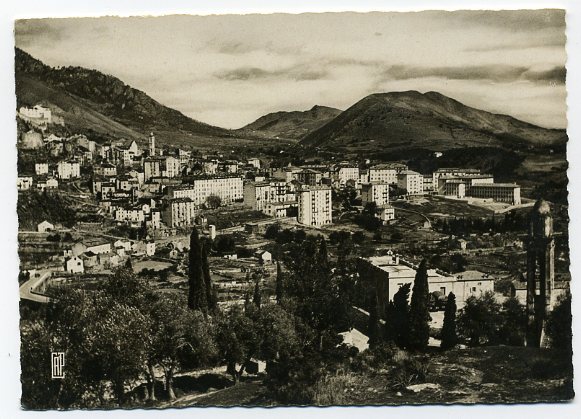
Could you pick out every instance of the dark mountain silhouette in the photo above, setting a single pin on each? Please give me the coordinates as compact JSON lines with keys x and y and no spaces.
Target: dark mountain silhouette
{"x":90,"y":100}
{"x":400,"y":120}
{"x":292,"y":125}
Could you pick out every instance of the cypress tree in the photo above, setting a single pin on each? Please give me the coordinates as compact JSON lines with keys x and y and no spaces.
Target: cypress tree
{"x":257,"y":298}
{"x":419,"y":313}
{"x":449,"y":337}
{"x":373,"y":329}
{"x":389,"y":329}
{"x":323,"y":256}
{"x":197,"y":299}
{"x":207,"y":277}
{"x":400,"y":326}
{"x":279,"y":284}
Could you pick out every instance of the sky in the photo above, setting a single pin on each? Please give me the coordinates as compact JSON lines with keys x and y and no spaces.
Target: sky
{"x":228,"y":70}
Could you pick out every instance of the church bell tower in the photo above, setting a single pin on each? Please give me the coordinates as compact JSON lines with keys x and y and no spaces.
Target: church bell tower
{"x":151,"y":144}
{"x":540,"y":273}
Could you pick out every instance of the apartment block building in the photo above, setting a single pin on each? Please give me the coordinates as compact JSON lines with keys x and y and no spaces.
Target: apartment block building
{"x":315,"y":205}
{"x":377,"y":192}
{"x":411,"y":181}
{"x":179,"y":212}
{"x":258,"y":194}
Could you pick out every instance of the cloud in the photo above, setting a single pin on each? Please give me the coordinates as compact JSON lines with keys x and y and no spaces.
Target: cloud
{"x":27,"y":31}
{"x":555,"y":75}
{"x":495,"y":73}
{"x":297,"y":73}
{"x":513,"y":20}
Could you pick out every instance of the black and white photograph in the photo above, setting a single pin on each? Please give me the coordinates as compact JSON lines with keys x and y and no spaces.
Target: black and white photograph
{"x":312,"y":209}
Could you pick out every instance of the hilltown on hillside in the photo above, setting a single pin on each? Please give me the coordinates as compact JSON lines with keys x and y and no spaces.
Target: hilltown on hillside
{"x":157,"y":192}
{"x":404,"y":248}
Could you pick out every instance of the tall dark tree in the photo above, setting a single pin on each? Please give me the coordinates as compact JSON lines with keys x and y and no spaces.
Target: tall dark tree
{"x":323,"y":255}
{"x":419,"y":313}
{"x":257,"y":297}
{"x":207,"y":277}
{"x":279,"y":284}
{"x":398,"y":327}
{"x":449,"y":336}
{"x":559,"y":325}
{"x":373,"y":329}
{"x":197,"y":299}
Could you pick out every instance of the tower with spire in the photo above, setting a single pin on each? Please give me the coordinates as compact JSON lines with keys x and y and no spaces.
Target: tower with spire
{"x":151,"y":144}
{"x":540,"y":272}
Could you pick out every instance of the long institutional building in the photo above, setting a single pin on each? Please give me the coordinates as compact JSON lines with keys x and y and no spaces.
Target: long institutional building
{"x":470,"y":183}
{"x":228,"y":188}
{"x":386,"y":274}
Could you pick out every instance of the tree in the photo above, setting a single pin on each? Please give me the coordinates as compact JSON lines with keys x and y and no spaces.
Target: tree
{"x":197,"y":299}
{"x":480,"y":319}
{"x":419,"y":313}
{"x":225,"y":243}
{"x":449,"y":337}
{"x":257,"y":297}
{"x":558,"y":327}
{"x":358,"y":237}
{"x":397,"y":317}
{"x":312,"y":293}
{"x":238,"y":341}
{"x":181,"y":338}
{"x":513,"y":322}
{"x":373,"y":329}
{"x":279,"y":284}
{"x":207,"y":277}
{"x":272,"y":231}
{"x":213,"y":201}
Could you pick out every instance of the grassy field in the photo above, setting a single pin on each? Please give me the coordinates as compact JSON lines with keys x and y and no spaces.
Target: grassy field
{"x":494,"y":374}
{"x":150,"y":264}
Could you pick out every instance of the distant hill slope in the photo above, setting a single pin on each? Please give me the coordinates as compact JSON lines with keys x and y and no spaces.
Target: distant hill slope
{"x":88,"y":99}
{"x":433,"y":121}
{"x":292,"y":125}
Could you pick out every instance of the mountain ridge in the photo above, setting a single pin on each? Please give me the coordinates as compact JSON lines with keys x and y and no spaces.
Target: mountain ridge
{"x":110,"y":105}
{"x":427,"y":120}
{"x":290,"y":124}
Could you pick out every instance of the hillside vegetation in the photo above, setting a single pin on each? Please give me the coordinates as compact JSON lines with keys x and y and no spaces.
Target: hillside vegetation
{"x":401,"y":120}
{"x":91,"y":100}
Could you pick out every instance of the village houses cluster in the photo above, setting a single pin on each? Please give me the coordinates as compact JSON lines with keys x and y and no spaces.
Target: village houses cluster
{"x":159,"y":188}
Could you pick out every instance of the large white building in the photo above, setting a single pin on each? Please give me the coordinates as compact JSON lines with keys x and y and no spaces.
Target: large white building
{"x":411,"y":181}
{"x":172,"y":167}
{"x":450,"y":172}
{"x":346,"y":172}
{"x":315,"y":205}
{"x":388,"y":273}
{"x":228,"y":188}
{"x":377,"y":192}
{"x":130,"y":215}
{"x":179,"y":212}
{"x":258,"y":194}
{"x":151,"y":168}
{"x":41,"y":168}
{"x":386,"y":172}
{"x":508,"y":193}
{"x":68,"y":170}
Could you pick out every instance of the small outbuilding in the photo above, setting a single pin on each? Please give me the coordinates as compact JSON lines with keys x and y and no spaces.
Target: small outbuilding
{"x":45,"y":227}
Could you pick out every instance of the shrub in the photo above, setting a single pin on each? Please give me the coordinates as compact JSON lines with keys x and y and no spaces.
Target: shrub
{"x":331,"y":390}
{"x":559,"y":325}
{"x":409,"y":372}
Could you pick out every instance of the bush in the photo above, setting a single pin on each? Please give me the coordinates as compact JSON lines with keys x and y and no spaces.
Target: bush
{"x":331,"y":390}
{"x":411,"y":371}
{"x":559,"y":325}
